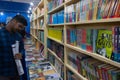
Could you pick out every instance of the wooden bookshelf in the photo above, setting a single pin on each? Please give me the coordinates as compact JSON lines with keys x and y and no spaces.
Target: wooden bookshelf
{"x":56,"y":9}
{"x":55,"y":56}
{"x":113,"y":20}
{"x":37,"y":16}
{"x":60,"y":42}
{"x":41,"y":16}
{"x":107,"y":23}
{"x":40,"y":41}
{"x":75,"y":72}
{"x":55,"y":25}
{"x":94,"y":55}
{"x":69,"y":2}
{"x":40,"y":29}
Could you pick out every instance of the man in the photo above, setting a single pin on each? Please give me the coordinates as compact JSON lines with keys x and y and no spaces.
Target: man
{"x":8,"y":36}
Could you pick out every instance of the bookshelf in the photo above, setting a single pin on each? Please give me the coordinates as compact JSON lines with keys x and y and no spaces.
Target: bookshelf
{"x":78,"y":23}
{"x":38,"y":28}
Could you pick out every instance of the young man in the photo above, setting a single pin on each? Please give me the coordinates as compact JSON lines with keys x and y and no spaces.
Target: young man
{"x":8,"y":36}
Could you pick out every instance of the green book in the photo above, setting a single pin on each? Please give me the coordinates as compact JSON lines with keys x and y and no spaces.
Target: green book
{"x":104,"y":43}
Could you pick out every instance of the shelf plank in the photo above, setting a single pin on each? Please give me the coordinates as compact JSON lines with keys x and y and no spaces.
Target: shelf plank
{"x":34,"y":36}
{"x":55,"y":24}
{"x":56,"y":9}
{"x":34,"y":28}
{"x":40,"y":29}
{"x":41,"y":16}
{"x":41,"y":3}
{"x":40,"y":41}
{"x":95,"y":21}
{"x":55,"y":56}
{"x":75,"y":72}
{"x":69,"y":2}
{"x":94,"y":55}
{"x":60,"y":42}
{"x":37,"y":39}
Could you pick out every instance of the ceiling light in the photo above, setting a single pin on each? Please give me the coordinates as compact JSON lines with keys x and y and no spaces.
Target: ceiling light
{"x":28,"y":16}
{"x":31,"y":3}
{"x":28,"y":12}
{"x":30,"y":8}
{"x":1,"y":13}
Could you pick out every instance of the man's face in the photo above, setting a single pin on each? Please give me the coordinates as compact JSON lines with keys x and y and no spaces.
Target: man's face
{"x":17,"y":26}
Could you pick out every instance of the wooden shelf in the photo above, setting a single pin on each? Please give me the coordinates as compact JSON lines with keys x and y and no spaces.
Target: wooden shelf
{"x":56,"y":9}
{"x":113,"y":20}
{"x":71,"y":2}
{"x":34,"y":28}
{"x":41,"y":16}
{"x":60,"y":42}
{"x":37,"y":39}
{"x":40,"y":41}
{"x":40,"y":29}
{"x":94,"y":55}
{"x":55,"y":55}
{"x":41,"y":4}
{"x":56,"y":24}
{"x":75,"y":72}
{"x":34,"y":36}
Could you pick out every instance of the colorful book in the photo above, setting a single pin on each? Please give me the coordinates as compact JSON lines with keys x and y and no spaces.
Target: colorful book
{"x":104,"y":43}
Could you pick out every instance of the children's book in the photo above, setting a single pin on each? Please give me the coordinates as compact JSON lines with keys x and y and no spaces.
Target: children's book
{"x":104,"y":43}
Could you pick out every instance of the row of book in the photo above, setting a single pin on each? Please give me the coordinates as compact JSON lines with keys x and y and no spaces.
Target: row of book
{"x":41,"y":36}
{"x":58,"y":66}
{"x":70,"y":13}
{"x":54,"y":32}
{"x":56,"y":18}
{"x":101,"y":41}
{"x":57,"y":48}
{"x":54,"y":3}
{"x":92,"y":10}
{"x":92,"y":69}
{"x":39,"y":68}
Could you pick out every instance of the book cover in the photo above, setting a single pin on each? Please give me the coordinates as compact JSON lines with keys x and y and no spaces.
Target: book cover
{"x":104,"y":43}
{"x":117,"y":12}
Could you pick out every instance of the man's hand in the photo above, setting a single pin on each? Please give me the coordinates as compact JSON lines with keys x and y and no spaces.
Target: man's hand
{"x":18,"y":56}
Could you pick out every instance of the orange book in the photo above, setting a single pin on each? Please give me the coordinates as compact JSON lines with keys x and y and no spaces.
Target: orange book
{"x":117,"y":12}
{"x":106,"y":3}
{"x":111,"y":8}
{"x":114,"y":9}
{"x":100,"y":70}
{"x":107,"y":9}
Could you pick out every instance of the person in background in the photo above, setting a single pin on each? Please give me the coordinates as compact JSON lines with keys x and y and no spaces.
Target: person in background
{"x":2,"y":25}
{"x":8,"y":36}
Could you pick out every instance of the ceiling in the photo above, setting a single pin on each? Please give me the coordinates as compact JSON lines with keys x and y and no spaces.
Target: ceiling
{"x":35,"y":2}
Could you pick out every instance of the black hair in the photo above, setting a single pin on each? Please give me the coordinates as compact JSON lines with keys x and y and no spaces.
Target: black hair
{"x":20,"y":19}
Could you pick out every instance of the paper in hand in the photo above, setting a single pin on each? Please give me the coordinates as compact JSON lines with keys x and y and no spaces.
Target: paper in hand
{"x":15,"y":49}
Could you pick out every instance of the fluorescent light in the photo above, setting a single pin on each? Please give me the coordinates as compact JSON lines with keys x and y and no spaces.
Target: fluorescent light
{"x":28,"y":11}
{"x":1,"y":13}
{"x":30,"y":8}
{"x":28,"y":16}
{"x":31,"y":3}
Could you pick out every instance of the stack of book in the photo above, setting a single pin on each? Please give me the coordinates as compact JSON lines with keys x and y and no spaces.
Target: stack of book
{"x":39,"y":68}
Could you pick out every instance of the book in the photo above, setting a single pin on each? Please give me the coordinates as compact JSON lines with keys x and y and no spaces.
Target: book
{"x":104,"y":43}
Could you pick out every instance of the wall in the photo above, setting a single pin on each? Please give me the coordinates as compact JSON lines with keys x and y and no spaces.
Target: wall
{"x":10,"y":9}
